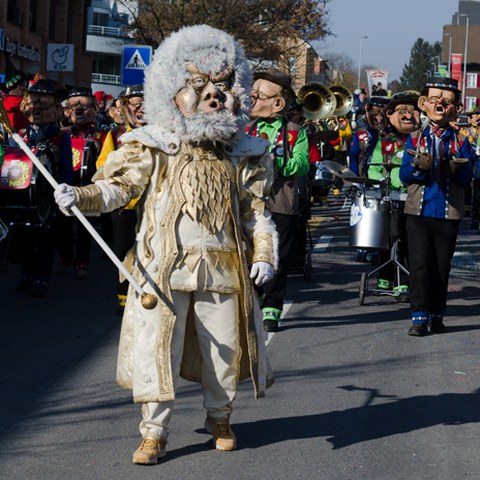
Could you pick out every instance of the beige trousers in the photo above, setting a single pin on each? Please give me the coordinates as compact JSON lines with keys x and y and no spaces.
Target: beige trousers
{"x":216,"y":321}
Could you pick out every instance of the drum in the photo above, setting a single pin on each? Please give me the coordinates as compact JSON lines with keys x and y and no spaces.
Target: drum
{"x":85,"y":155}
{"x":26,"y":197}
{"x":369,"y":221}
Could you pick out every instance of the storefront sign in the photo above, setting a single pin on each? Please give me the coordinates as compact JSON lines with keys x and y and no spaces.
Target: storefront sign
{"x":25,"y":51}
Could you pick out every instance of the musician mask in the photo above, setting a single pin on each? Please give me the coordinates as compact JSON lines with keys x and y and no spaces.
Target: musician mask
{"x":40,"y":108}
{"x":196,"y":86}
{"x":374,"y":112}
{"x":82,"y":110}
{"x":403,"y":113}
{"x":132,"y":110}
{"x":440,"y":100}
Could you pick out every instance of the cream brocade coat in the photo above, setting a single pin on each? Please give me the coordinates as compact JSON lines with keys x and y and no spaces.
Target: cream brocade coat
{"x":150,"y":168}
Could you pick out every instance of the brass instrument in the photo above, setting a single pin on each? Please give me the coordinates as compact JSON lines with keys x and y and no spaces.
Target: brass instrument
{"x":317,"y":100}
{"x":344,"y":100}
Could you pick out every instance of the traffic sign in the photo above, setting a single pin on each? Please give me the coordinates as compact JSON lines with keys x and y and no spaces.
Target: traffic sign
{"x":135,"y":59}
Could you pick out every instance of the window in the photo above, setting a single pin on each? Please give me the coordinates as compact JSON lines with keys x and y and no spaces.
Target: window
{"x":33,"y":15}
{"x":470,"y":102}
{"x":472,"y":80}
{"x":100,"y":19}
{"x":15,"y":13}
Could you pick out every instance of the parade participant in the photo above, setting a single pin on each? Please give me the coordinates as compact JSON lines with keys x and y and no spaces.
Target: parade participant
{"x":359,"y":107}
{"x":342,"y":147}
{"x":437,"y":165}
{"x":41,"y":106}
{"x":123,"y":221}
{"x":104,"y":122}
{"x":403,"y":116}
{"x":74,"y":242}
{"x":364,"y":141}
{"x":472,"y":200}
{"x":203,"y":219}
{"x":271,"y":96}
{"x":12,"y":95}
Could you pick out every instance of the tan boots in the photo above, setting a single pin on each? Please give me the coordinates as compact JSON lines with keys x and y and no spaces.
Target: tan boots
{"x":150,"y":451}
{"x":223,"y":436}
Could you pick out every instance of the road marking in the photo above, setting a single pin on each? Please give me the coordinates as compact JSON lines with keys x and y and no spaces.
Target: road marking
{"x":287,"y":304}
{"x":322,"y":245}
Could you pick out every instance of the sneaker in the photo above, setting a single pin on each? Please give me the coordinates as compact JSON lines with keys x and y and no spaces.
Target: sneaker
{"x":39,"y":289}
{"x":435,"y":323}
{"x":271,"y":317}
{"x":418,"y":330}
{"x":81,"y":270}
{"x":223,"y":437}
{"x":150,"y":451}
{"x":384,"y":284}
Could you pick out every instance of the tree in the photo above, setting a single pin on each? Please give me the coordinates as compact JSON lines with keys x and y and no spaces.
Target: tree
{"x":341,"y":70}
{"x":421,"y":65}
{"x":259,"y":25}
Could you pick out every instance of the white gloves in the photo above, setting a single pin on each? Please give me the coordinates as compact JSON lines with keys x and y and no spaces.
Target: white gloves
{"x":65,"y":196}
{"x":261,"y":272}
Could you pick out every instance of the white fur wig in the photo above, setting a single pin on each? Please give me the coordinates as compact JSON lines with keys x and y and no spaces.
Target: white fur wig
{"x":210,"y":50}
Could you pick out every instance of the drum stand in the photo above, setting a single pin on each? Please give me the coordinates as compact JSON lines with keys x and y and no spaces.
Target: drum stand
{"x":364,"y":290}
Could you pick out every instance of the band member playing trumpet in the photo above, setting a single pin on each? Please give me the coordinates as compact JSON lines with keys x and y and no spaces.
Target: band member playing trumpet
{"x":436,"y":166}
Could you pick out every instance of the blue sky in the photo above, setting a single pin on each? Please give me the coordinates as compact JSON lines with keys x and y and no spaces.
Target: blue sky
{"x":392,"y":27}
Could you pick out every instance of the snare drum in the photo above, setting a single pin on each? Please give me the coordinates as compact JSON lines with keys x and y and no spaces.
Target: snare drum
{"x":85,"y":155}
{"x":26,"y":197}
{"x":369,"y":221}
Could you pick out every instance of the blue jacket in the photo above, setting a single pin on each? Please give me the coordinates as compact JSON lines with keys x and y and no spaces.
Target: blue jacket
{"x":433,"y":193}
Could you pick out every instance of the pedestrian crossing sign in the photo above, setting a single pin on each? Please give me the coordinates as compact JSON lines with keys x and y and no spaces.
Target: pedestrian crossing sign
{"x":135,"y":59}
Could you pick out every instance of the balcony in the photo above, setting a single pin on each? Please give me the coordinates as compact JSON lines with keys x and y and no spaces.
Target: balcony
{"x":106,"y":78}
{"x":105,"y":31}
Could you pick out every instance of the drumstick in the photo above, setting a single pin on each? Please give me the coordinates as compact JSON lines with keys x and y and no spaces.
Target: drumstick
{"x":149,"y":301}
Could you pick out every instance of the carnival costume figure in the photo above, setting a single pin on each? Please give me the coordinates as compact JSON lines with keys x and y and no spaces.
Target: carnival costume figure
{"x":203,"y":221}
{"x":74,"y":242}
{"x":403,"y":117}
{"x":272,"y":95}
{"x":436,"y":166}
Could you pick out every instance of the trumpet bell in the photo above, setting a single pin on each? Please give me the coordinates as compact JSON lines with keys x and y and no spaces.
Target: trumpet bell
{"x":344,"y":99}
{"x":317,"y":100}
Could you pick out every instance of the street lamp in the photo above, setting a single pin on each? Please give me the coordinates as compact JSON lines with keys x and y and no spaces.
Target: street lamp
{"x":449,"y":35}
{"x":362,"y":38}
{"x":467,"y":21}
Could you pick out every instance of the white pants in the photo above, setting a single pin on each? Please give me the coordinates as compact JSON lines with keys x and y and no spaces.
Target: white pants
{"x":216,"y":321}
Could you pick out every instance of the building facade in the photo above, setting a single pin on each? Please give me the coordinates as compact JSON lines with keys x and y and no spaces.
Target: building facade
{"x":106,"y":35}
{"x":28,"y":27}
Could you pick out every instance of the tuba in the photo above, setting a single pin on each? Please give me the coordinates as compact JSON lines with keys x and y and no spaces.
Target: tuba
{"x":344,"y":99}
{"x":317,"y":100}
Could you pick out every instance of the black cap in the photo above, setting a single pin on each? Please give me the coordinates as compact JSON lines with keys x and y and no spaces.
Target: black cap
{"x":277,"y":77}
{"x":42,"y":86}
{"x":445,"y":83}
{"x":134,"y":91}
{"x":378,"y":101}
{"x":408,"y":97}
{"x":462,"y":120}
{"x":80,"y":92}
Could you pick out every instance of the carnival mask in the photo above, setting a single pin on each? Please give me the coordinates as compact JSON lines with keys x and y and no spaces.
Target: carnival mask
{"x":375,"y":117}
{"x":439,"y":105}
{"x":206,"y":93}
{"x":267,"y":101}
{"x":133,"y":111}
{"x":40,"y":109}
{"x":82,"y":110}
{"x":404,"y":118}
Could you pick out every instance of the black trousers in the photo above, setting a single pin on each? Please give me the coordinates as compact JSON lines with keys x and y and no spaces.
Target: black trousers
{"x":431,"y":244}
{"x":74,"y":241}
{"x":123,"y":232}
{"x":275,"y":289}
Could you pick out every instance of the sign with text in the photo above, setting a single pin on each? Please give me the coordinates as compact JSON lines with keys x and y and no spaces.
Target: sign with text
{"x":60,"y":57}
{"x":135,"y":59}
{"x":457,"y":59}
